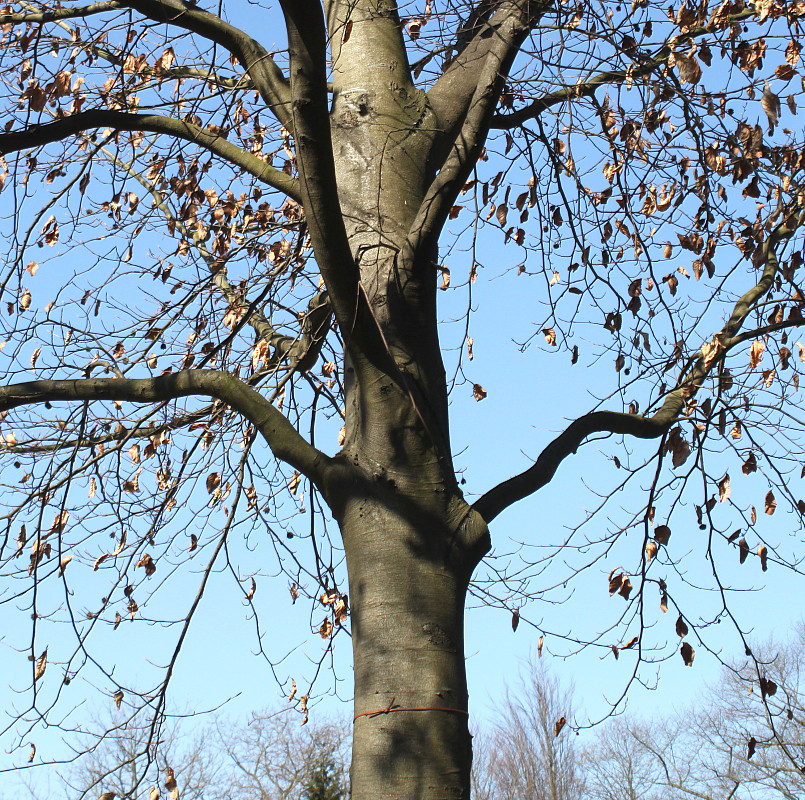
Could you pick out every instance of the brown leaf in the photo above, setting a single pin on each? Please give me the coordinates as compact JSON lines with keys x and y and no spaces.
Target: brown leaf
{"x":213,"y":482}
{"x":153,"y":793}
{"x":763,"y":553}
{"x":147,"y":563}
{"x":170,"y":784}
{"x":550,"y":336}
{"x":626,"y":588}
{"x":756,"y":353}
{"x":770,"y":103}
{"x":32,"y":754}
{"x":651,"y":549}
{"x":540,"y":643}
{"x":724,"y":488}
{"x":751,"y":745}
{"x":108,"y":796}
{"x":631,"y":643}
{"x":326,"y":628}
{"x":681,"y":627}
{"x":41,"y":665}
{"x":750,"y":465}
{"x":341,"y":610}
{"x":118,"y":697}
{"x":478,"y":392}
{"x":515,"y":618}
{"x":252,"y":590}
{"x":687,"y":653}
{"x":615,"y":651}
{"x":560,"y":723}
{"x":770,"y":504}
{"x":662,"y":533}
{"x":743,"y":550}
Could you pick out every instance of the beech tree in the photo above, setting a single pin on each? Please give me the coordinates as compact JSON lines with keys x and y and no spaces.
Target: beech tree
{"x":230,"y":231}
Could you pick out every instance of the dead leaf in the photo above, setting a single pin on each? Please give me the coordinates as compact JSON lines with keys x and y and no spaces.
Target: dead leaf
{"x":32,"y":754}
{"x":515,"y":618}
{"x":147,"y":563}
{"x":41,"y":665}
{"x":118,"y":697}
{"x":750,"y":465}
{"x":170,"y":784}
{"x":743,"y":550}
{"x":756,"y":353}
{"x":751,"y":745}
{"x":540,"y":643}
{"x":651,"y":549}
{"x":341,"y":609}
{"x":631,"y":643}
{"x":724,"y":488}
{"x":326,"y":628}
{"x":213,"y":482}
{"x":478,"y":392}
{"x":662,"y":533}
{"x":770,"y":504}
{"x":770,"y":103}
{"x":681,"y":627}
{"x":560,"y":723}
{"x":687,"y":653}
{"x":550,"y":336}
{"x":252,"y":590}
{"x":763,"y":553}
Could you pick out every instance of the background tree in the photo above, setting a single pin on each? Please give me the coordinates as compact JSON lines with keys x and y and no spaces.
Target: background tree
{"x":303,"y":189}
{"x":529,"y":751}
{"x":273,"y":758}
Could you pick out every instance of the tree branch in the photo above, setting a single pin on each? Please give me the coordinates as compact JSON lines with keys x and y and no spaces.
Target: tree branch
{"x":464,"y":100}
{"x":37,"y":135}
{"x":283,"y":439}
{"x":263,"y":70}
{"x":56,"y":14}
{"x":690,"y":381}
{"x":587,"y":89}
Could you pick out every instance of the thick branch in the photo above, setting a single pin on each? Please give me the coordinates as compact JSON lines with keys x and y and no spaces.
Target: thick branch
{"x":499,"y":36}
{"x":464,"y":100}
{"x":307,"y":47}
{"x":56,"y":14}
{"x":37,"y":135}
{"x":526,"y":483}
{"x":267,"y":76}
{"x":283,"y":439}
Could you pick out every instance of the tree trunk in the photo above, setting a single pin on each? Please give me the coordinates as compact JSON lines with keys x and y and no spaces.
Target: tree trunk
{"x":408,"y":577}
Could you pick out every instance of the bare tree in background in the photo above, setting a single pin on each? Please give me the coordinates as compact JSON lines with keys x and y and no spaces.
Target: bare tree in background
{"x":273,"y":758}
{"x":529,"y":750}
{"x":225,"y":229}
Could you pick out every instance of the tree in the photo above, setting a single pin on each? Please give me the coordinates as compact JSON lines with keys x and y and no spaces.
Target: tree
{"x":273,"y":758}
{"x":530,"y":751}
{"x":303,"y":189}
